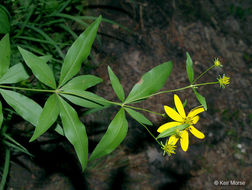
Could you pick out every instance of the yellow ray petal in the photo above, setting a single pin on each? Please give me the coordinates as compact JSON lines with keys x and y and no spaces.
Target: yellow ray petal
{"x":195,"y":119}
{"x":195,"y":111}
{"x":167,"y":126}
{"x":173,"y":140}
{"x":172,"y":114}
{"x":179,"y":106}
{"x":196,"y":132}
{"x":184,"y":140}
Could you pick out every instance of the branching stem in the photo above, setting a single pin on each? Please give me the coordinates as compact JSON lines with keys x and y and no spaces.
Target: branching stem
{"x":108,"y":101}
{"x":203,"y":74}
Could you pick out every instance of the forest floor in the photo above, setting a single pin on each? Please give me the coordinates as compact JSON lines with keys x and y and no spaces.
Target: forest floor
{"x":163,"y":31}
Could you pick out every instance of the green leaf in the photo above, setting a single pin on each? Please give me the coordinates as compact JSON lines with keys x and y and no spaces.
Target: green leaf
{"x":89,"y":96}
{"x":39,"y":68}
{"x":59,"y":130}
{"x":138,"y":116}
{"x":189,"y":68}
{"x":15,"y":74}
{"x":201,"y":99}
{"x":12,"y":143}
{"x":46,"y":58}
{"x":1,"y":114}
{"x":47,"y":118}
{"x":47,"y":38}
{"x":4,"y":22}
{"x":81,"y":102}
{"x":82,"y":82}
{"x":5,"y":169}
{"x":4,"y":54}
{"x":74,"y":131}
{"x":25,"y":107}
{"x":114,"y":135}
{"x":118,"y":89}
{"x":95,"y":110}
{"x":78,"y":52}
{"x":172,"y":131}
{"x":150,"y":82}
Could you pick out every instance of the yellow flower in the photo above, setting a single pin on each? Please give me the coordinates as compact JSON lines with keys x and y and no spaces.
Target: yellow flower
{"x":217,"y":63}
{"x":168,"y":148}
{"x":223,"y":81}
{"x":179,"y":119}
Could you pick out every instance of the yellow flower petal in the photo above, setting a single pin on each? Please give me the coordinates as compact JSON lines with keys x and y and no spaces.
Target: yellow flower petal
{"x":184,"y":140}
{"x":172,"y":114}
{"x":196,"y":132}
{"x":173,"y":140}
{"x":179,"y":106}
{"x":195,"y":112}
{"x":167,"y":126}
{"x":195,"y":119}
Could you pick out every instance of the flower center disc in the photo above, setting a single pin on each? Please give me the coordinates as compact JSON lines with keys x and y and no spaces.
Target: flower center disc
{"x":188,"y":120}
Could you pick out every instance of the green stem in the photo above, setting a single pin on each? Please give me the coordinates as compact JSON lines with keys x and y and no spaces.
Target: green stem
{"x":27,"y":89}
{"x":206,"y":83}
{"x":5,"y":169}
{"x":162,"y":92}
{"x":148,"y":131}
{"x":203,"y":73}
{"x":13,"y":143}
{"x":151,"y":133}
{"x":142,"y":109}
{"x":54,"y":91}
{"x":92,"y":99}
{"x":108,"y":101}
{"x":175,"y":90}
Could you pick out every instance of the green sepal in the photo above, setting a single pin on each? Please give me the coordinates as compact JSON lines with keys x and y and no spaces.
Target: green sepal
{"x":172,"y":131}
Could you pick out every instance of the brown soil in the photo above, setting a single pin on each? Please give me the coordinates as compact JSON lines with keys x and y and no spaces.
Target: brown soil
{"x":163,"y":31}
